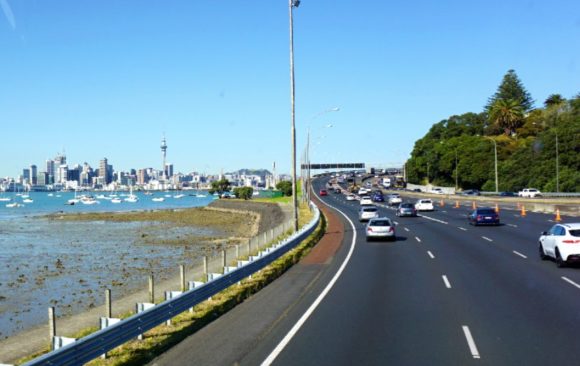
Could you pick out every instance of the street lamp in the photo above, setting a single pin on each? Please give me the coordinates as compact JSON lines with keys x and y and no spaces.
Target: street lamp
{"x":495,"y":153}
{"x":291,"y":5}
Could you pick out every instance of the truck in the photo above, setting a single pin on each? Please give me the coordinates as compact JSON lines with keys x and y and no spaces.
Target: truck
{"x":386,"y":182}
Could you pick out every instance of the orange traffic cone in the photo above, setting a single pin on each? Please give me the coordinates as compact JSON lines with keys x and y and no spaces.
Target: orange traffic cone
{"x":496,"y":208}
{"x":473,"y":205}
{"x":456,"y":204}
{"x":558,"y":218}
{"x":523,"y":211}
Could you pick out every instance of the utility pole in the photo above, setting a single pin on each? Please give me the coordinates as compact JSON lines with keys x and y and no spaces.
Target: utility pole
{"x":291,"y":5}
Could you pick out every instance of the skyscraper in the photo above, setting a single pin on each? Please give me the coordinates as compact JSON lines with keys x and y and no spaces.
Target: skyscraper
{"x":104,"y":171}
{"x":33,"y":174}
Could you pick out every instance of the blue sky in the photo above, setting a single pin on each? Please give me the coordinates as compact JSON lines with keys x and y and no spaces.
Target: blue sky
{"x":109,"y":78}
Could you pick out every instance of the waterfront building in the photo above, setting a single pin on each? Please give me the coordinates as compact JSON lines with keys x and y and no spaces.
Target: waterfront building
{"x":33,"y":173}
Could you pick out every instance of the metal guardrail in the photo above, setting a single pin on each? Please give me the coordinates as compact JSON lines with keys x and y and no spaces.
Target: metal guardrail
{"x":100,"y":342}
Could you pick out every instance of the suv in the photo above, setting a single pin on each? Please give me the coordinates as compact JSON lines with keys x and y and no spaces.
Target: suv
{"x":530,"y":192}
{"x":394,"y":199}
{"x":424,"y":205}
{"x":561,"y":242}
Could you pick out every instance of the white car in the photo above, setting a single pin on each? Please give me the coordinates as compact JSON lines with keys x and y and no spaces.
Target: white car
{"x":424,"y":205}
{"x":380,"y":228}
{"x":530,"y":193}
{"x":366,"y":200}
{"x":394,"y":199}
{"x":362,"y":191}
{"x":350,"y":197}
{"x":561,"y":242}
{"x":368,"y":212}
{"x":437,"y":191}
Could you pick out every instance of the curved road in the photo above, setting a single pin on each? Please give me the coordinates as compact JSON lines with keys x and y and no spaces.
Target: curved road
{"x":445,"y":293}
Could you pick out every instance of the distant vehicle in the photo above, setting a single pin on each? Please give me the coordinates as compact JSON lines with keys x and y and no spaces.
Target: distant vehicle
{"x":368,"y":212}
{"x":561,"y":242}
{"x":530,"y":193}
{"x":416,"y":190}
{"x":350,"y":197}
{"x":363,"y":191}
{"x":508,"y":194}
{"x":406,"y":209}
{"x":470,"y":192}
{"x":323,"y":192}
{"x":386,"y":182}
{"x":394,"y":199}
{"x":424,"y":205}
{"x":483,"y":216}
{"x":337,"y":190}
{"x":437,"y":191}
{"x":366,"y":200}
{"x":380,"y":228}
{"x":378,"y":197}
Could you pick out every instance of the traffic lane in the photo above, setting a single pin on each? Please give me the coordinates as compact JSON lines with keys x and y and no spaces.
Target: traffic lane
{"x":377,"y":314}
{"x":248,"y":332}
{"x":520,"y":241}
{"x":516,"y":313}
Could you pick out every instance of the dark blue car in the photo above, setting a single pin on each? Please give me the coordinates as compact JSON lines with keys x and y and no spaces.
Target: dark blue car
{"x":483,"y":216}
{"x":378,"y":197}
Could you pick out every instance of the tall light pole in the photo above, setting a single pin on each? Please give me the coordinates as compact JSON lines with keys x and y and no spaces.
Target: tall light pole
{"x":557,"y":165}
{"x":291,"y":5}
{"x":495,"y":153}
{"x":456,"y":172}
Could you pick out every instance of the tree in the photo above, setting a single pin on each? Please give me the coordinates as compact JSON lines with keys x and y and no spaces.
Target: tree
{"x":285,"y":186}
{"x":245,"y":193}
{"x":507,"y":114}
{"x":511,"y":88}
{"x":553,"y":100}
{"x":220,"y":186}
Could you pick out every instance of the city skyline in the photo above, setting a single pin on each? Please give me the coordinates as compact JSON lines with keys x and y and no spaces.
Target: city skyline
{"x":108,"y":78}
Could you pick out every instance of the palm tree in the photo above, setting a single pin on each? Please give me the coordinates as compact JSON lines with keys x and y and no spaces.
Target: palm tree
{"x":507,"y":114}
{"x":554,"y":99}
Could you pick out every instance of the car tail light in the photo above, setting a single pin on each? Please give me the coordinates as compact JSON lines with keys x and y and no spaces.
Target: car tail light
{"x":391,"y":229}
{"x":370,"y":229}
{"x":479,"y":217}
{"x":571,"y":241}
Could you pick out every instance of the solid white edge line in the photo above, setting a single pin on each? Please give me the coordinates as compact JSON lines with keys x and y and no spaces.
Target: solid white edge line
{"x":430,"y":254}
{"x":470,"y":342}
{"x":570,"y":282}
{"x":417,"y":238}
{"x":284,"y":342}
{"x":486,"y":238}
{"x":447,"y":284}
{"x":462,"y":228}
{"x":520,"y":254}
{"x":406,"y":229}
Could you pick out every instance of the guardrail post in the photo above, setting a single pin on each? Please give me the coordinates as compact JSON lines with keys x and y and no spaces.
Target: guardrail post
{"x":224,"y":259}
{"x":237,"y":251}
{"x":51,"y":325}
{"x":108,"y":305}
{"x":151,"y":289}
{"x":182,"y":275}
{"x":205,"y":276}
{"x":272,"y":234}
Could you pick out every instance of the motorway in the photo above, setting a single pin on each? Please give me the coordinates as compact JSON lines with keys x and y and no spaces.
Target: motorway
{"x":445,"y":293}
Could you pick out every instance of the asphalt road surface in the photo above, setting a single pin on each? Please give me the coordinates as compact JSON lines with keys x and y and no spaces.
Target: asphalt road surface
{"x":445,"y":293}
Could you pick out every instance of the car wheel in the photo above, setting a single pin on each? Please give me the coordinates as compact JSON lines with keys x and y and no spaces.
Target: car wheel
{"x":543,"y":255}
{"x":559,"y":261}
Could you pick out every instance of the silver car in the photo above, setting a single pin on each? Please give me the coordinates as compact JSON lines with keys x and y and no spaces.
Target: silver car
{"x":368,"y":212}
{"x":380,"y":228}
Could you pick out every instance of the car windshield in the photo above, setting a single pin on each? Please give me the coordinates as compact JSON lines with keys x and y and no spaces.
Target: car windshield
{"x":575,"y":232}
{"x":407,"y":205}
{"x":370,"y":209}
{"x":380,"y":223}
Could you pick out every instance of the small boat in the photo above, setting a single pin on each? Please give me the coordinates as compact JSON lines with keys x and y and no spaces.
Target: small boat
{"x":158,"y":199}
{"x":89,"y":200}
{"x":200,"y":195}
{"x":28,"y":200}
{"x":14,"y":205}
{"x":5,"y":199}
{"x":116,"y":200}
{"x":179,"y":196}
{"x":131,"y":198}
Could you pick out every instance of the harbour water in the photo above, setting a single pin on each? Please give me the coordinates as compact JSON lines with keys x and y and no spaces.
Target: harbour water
{"x":68,"y":264}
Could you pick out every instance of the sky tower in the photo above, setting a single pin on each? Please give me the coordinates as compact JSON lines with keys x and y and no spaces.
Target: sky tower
{"x":164,"y":153}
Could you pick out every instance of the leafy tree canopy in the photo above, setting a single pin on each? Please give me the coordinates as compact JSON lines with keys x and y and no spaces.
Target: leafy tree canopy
{"x":220,"y":186}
